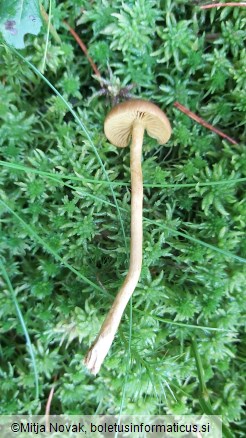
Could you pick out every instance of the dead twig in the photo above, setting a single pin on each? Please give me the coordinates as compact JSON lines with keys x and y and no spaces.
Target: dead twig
{"x":219,"y":5}
{"x":48,"y":404}
{"x":203,"y":122}
{"x":83,"y":47}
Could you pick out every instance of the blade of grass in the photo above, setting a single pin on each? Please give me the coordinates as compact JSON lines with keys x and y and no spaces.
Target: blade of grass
{"x":58,"y":176}
{"x":47,"y":39}
{"x":84,"y":129}
{"x":178,"y":233}
{"x":49,"y":249}
{"x":200,"y":242}
{"x":74,"y":114}
{"x":24,"y":327}
{"x":180,"y":324}
{"x":51,"y":27}
{"x":204,"y":399}
{"x":147,"y":367}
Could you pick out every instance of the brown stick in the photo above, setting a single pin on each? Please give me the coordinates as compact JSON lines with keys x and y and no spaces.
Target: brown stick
{"x":48,"y":404}
{"x":203,"y":122}
{"x":219,"y":5}
{"x":83,"y":47}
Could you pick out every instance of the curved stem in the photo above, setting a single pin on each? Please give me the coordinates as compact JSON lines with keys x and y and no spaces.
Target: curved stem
{"x":102,"y":344}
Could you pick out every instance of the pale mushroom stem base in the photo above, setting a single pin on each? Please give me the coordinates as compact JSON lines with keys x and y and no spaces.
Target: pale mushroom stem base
{"x":102,"y":344}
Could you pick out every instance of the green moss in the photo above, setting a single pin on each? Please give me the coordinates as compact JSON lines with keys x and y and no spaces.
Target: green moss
{"x":61,"y":237}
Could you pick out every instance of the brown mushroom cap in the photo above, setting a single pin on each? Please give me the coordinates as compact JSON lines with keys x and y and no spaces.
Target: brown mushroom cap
{"x":119,"y":122}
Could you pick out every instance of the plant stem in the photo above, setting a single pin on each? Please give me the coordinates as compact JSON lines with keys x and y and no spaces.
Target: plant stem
{"x":101,"y":346}
{"x":204,"y":399}
{"x":219,"y":5}
{"x":50,"y":26}
{"x":84,"y":48}
{"x":203,"y":122}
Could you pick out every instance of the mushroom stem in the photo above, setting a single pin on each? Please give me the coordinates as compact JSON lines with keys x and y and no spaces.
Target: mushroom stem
{"x":102,"y":344}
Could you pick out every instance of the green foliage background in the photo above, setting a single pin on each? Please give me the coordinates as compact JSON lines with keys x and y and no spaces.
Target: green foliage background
{"x":64,"y":240}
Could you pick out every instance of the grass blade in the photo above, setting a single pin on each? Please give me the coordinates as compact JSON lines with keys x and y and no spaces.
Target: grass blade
{"x":48,"y":248}
{"x":24,"y":327}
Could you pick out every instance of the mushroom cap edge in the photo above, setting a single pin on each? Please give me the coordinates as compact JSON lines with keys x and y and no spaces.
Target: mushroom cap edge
{"x":119,"y":122}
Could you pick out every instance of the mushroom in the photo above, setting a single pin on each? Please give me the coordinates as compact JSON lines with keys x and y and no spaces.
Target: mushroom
{"x":126,"y":121}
